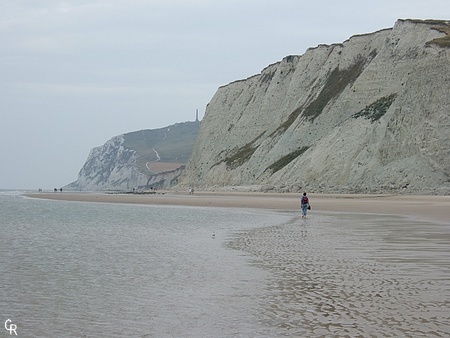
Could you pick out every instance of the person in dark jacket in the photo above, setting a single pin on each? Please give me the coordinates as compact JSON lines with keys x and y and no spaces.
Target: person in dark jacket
{"x":304,"y":205}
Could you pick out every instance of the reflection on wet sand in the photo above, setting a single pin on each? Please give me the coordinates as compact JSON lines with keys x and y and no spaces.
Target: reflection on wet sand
{"x":353,"y":275}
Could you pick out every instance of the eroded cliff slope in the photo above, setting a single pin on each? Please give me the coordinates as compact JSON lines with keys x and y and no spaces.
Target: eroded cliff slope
{"x":149,"y":158}
{"x":368,"y":115}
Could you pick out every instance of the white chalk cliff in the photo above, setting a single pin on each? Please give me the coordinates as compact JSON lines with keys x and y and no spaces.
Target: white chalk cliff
{"x":143,"y":159}
{"x":370,"y":114}
{"x":110,"y":166}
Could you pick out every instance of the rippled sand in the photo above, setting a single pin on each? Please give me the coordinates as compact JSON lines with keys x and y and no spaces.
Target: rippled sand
{"x":383,"y":272}
{"x":349,"y":276}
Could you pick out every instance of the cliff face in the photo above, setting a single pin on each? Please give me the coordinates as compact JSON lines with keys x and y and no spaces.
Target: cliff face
{"x":145,"y":158}
{"x":111,"y":166}
{"x":368,"y":115}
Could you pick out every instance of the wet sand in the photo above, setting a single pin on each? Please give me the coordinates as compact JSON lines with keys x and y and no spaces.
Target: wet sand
{"x":432,"y":208}
{"x":358,"y":266}
{"x":353,"y":275}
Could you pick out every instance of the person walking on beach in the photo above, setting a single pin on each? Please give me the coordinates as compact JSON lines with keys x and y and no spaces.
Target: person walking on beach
{"x":304,"y":205}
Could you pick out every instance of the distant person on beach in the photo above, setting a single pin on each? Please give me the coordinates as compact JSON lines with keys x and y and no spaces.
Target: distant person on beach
{"x":304,"y":205}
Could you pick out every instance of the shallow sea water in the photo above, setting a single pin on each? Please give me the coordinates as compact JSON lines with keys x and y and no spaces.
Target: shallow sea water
{"x":71,"y":269}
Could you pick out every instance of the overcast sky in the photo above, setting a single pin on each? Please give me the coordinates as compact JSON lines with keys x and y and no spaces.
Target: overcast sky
{"x":75,"y":73}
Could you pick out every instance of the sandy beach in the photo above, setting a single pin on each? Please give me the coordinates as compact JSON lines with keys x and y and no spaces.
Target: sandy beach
{"x":431,"y":208}
{"x":353,"y":268}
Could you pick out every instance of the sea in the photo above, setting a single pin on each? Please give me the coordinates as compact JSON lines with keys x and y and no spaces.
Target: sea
{"x":77,"y":269}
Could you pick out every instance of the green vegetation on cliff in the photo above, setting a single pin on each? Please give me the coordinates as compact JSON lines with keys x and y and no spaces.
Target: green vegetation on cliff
{"x":334,"y":85}
{"x":441,"y":26}
{"x":241,"y":155}
{"x":172,"y":144}
{"x":285,"y":160}
{"x":377,"y":109}
{"x":338,"y":80}
{"x":445,"y":40}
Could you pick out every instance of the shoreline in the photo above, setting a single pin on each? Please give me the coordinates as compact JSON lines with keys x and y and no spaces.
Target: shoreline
{"x":426,"y":207}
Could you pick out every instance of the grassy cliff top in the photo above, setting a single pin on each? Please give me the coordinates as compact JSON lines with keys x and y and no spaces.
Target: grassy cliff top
{"x":172,"y":144}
